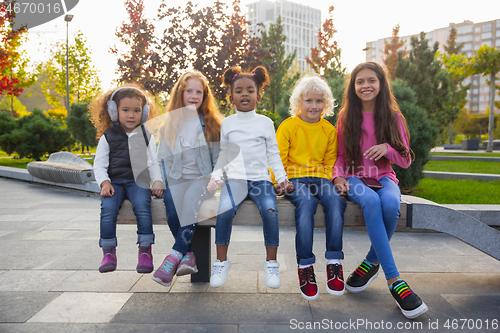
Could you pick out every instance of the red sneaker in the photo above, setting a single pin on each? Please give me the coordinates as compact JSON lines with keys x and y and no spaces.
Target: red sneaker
{"x":335,"y":283}
{"x":308,"y":286}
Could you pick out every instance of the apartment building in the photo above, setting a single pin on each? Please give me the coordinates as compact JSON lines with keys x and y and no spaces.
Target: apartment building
{"x":473,"y":35}
{"x":301,"y":24}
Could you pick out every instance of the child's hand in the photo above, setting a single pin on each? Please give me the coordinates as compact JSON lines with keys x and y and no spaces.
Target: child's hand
{"x":376,"y":152}
{"x":157,"y":189}
{"x":342,"y":186}
{"x":284,"y":187}
{"x":107,"y":190}
{"x":214,"y":185}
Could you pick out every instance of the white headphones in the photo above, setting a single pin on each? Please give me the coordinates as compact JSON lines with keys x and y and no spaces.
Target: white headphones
{"x":113,"y":108}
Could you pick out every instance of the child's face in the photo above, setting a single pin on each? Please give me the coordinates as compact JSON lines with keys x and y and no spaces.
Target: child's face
{"x":129,"y":113}
{"x":367,"y":85}
{"x":312,"y":107}
{"x":245,"y":95}
{"x":193,"y":94}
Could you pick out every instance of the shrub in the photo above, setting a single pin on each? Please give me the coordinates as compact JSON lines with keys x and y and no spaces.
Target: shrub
{"x":422,"y":135}
{"x":34,"y":135}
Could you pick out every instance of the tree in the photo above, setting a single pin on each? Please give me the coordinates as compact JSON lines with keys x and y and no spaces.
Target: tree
{"x":487,"y":62}
{"x":80,"y":125}
{"x":35,"y":135}
{"x":425,"y":76}
{"x":391,"y":52}
{"x":84,"y":81}
{"x":422,"y":135}
{"x":326,"y":61}
{"x":13,"y":105}
{"x":13,"y":62}
{"x":458,"y":92}
{"x":6,"y":123}
{"x":135,"y":65}
{"x":273,"y":41}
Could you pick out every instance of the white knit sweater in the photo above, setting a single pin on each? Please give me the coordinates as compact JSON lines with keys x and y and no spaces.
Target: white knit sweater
{"x":248,"y":148}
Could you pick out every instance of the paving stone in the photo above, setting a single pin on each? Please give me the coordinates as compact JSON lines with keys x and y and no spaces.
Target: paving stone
{"x":476,"y":306}
{"x":213,"y":308}
{"x":183,"y":328}
{"x":94,"y":281}
{"x":74,"y":308}
{"x":75,"y":328}
{"x":34,"y":281}
{"x":19,"y":306}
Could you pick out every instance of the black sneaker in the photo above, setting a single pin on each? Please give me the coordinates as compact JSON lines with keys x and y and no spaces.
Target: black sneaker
{"x":410,"y":304}
{"x":361,"y":278}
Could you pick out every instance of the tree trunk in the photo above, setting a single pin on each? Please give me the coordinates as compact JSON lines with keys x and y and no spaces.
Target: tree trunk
{"x":451,"y":132}
{"x":492,"y":113}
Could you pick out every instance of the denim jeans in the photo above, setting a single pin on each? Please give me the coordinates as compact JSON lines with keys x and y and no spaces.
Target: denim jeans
{"x":182,"y":201}
{"x":308,"y":192}
{"x":140,"y":198}
{"x":381,"y":212}
{"x":262,"y":193}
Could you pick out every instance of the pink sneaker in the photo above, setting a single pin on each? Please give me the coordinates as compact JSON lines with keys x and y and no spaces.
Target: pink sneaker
{"x":108,"y":263}
{"x":145,"y":262}
{"x":166,"y":272}
{"x":187,"y":265}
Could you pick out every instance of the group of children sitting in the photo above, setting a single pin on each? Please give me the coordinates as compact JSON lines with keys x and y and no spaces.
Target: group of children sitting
{"x":311,"y":162}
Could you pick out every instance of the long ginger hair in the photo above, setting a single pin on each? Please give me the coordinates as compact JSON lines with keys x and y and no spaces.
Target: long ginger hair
{"x":386,"y":117}
{"x":211,"y":116}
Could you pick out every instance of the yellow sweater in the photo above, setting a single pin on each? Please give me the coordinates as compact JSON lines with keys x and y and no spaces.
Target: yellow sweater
{"x":307,"y":150}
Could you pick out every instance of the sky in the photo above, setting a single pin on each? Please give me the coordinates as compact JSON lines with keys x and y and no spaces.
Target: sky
{"x":357,"y":22}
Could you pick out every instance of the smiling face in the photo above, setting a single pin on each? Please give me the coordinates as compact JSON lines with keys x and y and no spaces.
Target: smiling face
{"x":244,"y":94}
{"x":129,"y":113}
{"x":193,"y":94}
{"x":367,"y":86}
{"x":312,"y":107}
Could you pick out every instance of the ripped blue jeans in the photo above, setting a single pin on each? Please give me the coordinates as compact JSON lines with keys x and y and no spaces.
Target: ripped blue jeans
{"x":182,"y":201}
{"x":263,"y":194}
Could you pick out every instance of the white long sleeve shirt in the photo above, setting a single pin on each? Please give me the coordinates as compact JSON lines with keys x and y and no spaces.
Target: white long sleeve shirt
{"x":101,"y":161}
{"x":254,"y":135}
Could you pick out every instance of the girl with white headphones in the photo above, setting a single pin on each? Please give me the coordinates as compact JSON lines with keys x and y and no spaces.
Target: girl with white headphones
{"x":125,"y":165}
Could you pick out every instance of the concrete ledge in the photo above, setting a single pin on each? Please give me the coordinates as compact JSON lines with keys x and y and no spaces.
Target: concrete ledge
{"x":248,"y":214}
{"x":425,"y":214}
{"x":461,"y":175}
{"x":23,"y":174}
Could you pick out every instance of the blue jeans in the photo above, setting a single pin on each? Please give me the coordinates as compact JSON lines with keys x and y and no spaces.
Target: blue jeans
{"x":381,"y":212}
{"x":140,"y":198}
{"x":308,"y":192}
{"x":262,"y":193}
{"x":183,"y":198}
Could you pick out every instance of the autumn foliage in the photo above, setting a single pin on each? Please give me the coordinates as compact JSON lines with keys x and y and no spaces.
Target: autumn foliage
{"x":9,"y":54}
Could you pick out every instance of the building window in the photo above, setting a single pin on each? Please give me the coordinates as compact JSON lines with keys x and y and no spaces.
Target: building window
{"x":484,"y":98}
{"x":484,"y":89}
{"x":486,"y":35}
{"x":477,"y":30}
{"x":467,"y":46}
{"x":487,"y":42}
{"x":482,"y":107}
{"x":486,"y":27}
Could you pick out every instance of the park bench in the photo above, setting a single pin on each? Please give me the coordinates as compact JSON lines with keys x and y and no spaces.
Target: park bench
{"x":63,"y":167}
{"x":247,"y":215}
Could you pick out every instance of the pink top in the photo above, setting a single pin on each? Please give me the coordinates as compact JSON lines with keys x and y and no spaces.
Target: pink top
{"x":368,"y":167}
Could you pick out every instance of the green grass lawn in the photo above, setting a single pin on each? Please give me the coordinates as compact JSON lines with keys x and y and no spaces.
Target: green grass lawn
{"x":22,"y":163}
{"x":458,"y":191}
{"x":464,"y":166}
{"x":468,"y":154}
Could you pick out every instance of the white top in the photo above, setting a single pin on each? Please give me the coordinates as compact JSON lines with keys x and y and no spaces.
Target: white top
{"x":187,"y":135}
{"x":101,"y":161}
{"x":255,"y":136}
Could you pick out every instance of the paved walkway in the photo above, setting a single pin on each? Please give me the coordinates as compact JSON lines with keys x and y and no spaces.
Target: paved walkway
{"x":49,"y":279}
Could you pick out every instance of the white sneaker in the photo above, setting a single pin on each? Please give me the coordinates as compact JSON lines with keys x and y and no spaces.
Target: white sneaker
{"x":273,"y":279}
{"x":219,"y":273}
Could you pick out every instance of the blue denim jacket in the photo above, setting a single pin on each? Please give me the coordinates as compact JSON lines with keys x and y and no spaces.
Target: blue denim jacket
{"x":170,"y":160}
